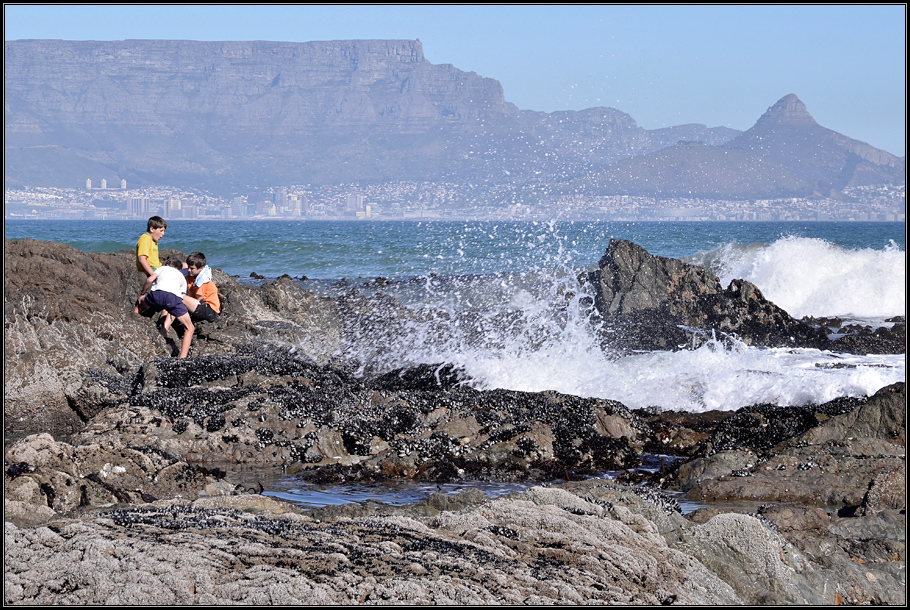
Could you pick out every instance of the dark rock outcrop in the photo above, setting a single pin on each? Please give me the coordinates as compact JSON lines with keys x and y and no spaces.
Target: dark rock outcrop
{"x":273,"y":408}
{"x":651,"y":302}
{"x":68,"y":326}
{"x":654,"y":303}
{"x":829,"y":455}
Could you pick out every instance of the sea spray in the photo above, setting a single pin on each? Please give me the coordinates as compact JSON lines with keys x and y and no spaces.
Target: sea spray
{"x":728,"y":375}
{"x":501,"y":299}
{"x":813,"y":277}
{"x":538,"y":331}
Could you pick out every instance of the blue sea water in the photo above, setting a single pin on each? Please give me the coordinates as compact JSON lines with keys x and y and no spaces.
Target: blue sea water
{"x":394,"y":249}
{"x":502,"y":300}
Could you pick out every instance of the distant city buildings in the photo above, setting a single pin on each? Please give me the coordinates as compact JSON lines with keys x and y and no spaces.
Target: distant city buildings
{"x":354,"y":203}
{"x":429,"y":200}
{"x":88,"y":184}
{"x":139,"y":206}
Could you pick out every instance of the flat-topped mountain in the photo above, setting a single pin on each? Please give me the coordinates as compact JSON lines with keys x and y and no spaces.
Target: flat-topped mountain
{"x":221,"y":115}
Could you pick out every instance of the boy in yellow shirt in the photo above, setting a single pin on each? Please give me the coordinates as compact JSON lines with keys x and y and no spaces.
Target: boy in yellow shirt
{"x":147,"y":246}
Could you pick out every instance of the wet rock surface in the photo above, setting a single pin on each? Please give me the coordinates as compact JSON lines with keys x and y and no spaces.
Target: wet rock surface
{"x":654,"y":303}
{"x":273,"y":407}
{"x":121,"y":482}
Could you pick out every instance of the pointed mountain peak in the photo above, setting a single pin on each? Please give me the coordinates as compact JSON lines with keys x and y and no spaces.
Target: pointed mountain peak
{"x":788,"y":110}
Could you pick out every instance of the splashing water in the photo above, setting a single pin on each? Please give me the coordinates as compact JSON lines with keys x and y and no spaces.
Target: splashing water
{"x":538,"y":330}
{"x":808,"y":276}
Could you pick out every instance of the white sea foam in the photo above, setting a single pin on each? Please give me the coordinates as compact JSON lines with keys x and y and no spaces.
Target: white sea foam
{"x":536,"y":329}
{"x":807,"y":276}
{"x":544,"y":337}
{"x":711,"y":377}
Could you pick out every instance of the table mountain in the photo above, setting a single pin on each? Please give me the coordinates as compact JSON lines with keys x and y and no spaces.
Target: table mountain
{"x":219,"y":115}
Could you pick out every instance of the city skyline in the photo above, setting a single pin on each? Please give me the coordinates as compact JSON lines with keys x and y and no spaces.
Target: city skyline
{"x":437,"y":201}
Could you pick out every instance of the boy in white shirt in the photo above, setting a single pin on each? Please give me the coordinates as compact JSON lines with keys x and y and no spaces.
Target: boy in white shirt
{"x":164,"y":290}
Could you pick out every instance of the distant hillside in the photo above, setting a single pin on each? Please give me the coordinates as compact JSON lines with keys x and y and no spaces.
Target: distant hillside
{"x":786,"y":153}
{"x":825,"y":158}
{"x":697,"y":170}
{"x":222,"y":115}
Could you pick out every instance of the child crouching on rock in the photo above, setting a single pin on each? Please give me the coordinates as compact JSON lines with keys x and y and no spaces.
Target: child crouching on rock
{"x":164,"y":291}
{"x":202,"y":294}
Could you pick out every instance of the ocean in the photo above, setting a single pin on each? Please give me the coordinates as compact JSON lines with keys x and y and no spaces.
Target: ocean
{"x":501,"y":299}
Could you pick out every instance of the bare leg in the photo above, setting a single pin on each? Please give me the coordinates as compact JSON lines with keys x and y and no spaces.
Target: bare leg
{"x":190,"y":303}
{"x":187,"y":334}
{"x":163,"y":331}
{"x":168,"y":320}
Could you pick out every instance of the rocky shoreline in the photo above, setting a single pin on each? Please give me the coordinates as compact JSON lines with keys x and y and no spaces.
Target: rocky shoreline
{"x":118,"y":487}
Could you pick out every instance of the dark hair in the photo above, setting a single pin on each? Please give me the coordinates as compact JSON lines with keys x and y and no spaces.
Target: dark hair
{"x":156,"y":222}
{"x":196,"y":259}
{"x":173,"y":262}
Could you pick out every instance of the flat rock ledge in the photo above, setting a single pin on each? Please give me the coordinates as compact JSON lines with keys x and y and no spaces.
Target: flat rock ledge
{"x":586,"y":542}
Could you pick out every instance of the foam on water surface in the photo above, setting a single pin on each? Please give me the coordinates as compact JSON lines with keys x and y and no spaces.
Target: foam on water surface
{"x":813,"y":277}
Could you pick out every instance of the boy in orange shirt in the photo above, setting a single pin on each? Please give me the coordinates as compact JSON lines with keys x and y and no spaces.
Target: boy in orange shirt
{"x":202,"y":294}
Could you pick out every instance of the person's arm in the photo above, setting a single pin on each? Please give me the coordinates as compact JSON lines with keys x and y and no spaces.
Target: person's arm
{"x":143,"y":251}
{"x":144,"y":262}
{"x":148,"y":282}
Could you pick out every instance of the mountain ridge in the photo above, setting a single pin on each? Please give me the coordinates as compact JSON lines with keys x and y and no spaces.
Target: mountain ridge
{"x":222,"y":114}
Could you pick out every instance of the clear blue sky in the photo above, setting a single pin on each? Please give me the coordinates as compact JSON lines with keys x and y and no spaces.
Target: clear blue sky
{"x":663,"y":65}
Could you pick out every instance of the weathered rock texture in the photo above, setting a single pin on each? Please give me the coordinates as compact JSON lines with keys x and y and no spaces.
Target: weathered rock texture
{"x":133,"y":496}
{"x":68,"y":312}
{"x":830,"y":455}
{"x":548,"y":546}
{"x":585,"y":543}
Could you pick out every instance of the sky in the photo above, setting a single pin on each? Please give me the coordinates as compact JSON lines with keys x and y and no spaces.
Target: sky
{"x":719,"y":65}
